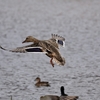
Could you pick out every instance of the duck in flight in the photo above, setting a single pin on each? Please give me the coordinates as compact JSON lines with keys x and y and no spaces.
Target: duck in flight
{"x":49,"y":47}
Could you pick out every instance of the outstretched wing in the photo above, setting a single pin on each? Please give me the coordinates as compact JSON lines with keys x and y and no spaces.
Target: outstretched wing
{"x":29,"y":48}
{"x":58,"y":39}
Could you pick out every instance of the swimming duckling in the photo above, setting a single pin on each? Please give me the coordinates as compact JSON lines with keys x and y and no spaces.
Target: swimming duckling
{"x":39,"y":83}
{"x":65,"y":96}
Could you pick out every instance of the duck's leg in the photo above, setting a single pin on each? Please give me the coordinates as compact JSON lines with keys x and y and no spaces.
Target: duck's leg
{"x":52,"y":62}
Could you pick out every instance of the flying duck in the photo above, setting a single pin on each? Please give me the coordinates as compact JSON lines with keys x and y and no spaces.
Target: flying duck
{"x":49,"y":47}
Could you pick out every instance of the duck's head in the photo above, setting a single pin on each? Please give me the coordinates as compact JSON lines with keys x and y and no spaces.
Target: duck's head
{"x":29,"y":39}
{"x":37,"y":79}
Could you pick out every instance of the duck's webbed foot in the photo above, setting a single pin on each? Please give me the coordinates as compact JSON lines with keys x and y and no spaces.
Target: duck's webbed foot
{"x":52,"y":62}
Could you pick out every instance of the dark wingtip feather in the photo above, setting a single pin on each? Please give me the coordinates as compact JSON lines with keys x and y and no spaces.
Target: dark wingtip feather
{"x":3,"y":48}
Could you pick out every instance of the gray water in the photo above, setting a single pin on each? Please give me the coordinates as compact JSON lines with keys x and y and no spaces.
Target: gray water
{"x":76,"y":20}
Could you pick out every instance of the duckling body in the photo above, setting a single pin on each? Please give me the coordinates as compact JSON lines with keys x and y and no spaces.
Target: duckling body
{"x":41,"y":83}
{"x":49,"y":47}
